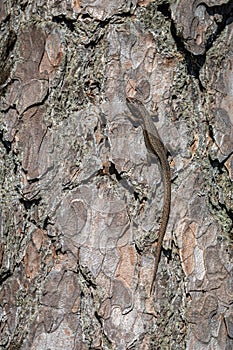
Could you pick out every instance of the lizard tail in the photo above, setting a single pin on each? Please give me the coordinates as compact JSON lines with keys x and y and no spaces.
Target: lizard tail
{"x":163,"y":226}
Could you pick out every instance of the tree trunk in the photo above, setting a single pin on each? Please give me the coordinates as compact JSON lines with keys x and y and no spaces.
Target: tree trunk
{"x":82,"y":196}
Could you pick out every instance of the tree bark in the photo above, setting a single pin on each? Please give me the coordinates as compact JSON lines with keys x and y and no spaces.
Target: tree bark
{"x":82,"y":198}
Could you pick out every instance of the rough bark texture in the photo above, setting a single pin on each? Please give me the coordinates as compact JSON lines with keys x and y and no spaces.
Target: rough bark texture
{"x":81,"y":200}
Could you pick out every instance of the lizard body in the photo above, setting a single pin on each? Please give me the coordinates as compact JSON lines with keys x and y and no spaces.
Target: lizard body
{"x":156,"y":146}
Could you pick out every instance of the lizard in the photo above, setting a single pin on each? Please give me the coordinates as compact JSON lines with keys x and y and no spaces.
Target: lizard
{"x":156,"y":146}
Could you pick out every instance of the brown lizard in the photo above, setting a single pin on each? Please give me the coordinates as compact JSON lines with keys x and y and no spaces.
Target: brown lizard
{"x":156,"y":146}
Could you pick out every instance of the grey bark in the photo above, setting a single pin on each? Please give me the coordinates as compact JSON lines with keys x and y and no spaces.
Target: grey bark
{"x":81,"y":199}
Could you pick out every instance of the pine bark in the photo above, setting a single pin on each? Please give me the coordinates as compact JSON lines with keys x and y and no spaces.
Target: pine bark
{"x":81,"y":197}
